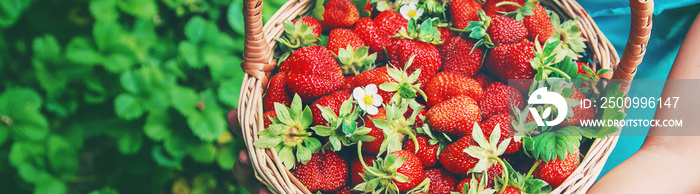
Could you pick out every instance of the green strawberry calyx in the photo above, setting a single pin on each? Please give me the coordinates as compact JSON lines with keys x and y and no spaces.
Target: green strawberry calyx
{"x":572,"y":42}
{"x":396,"y":127}
{"x":343,"y":129}
{"x":488,"y":151}
{"x":353,"y":62}
{"x":477,"y":30}
{"x":476,"y":186}
{"x":288,"y":134}
{"x":524,"y":183}
{"x":522,"y":11}
{"x":381,"y":175}
{"x":424,"y":32}
{"x":296,"y":35}
{"x":439,"y":138}
{"x":406,"y":86}
{"x":546,"y":58}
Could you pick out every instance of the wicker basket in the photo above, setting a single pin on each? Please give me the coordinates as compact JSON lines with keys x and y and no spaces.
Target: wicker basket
{"x":259,"y":62}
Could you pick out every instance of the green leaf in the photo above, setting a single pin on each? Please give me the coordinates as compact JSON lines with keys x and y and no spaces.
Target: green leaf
{"x":128,"y":107}
{"x":19,"y":113}
{"x":27,"y":157}
{"x":62,"y":156}
{"x":3,"y":134}
{"x":190,"y":53}
{"x":207,"y":124}
{"x":11,"y":11}
{"x":156,"y":126}
{"x":118,"y":62}
{"x":556,"y":144}
{"x":106,"y":34}
{"x":50,"y":186}
{"x":106,"y":190}
{"x":227,"y":157}
{"x":195,"y":29}
{"x":104,"y":9}
{"x":229,"y":91}
{"x":46,"y":48}
{"x":184,"y":100}
{"x":234,"y":15}
{"x":81,"y":51}
{"x":318,"y":10}
{"x":140,"y":8}
{"x":130,"y":142}
{"x":163,"y":159}
{"x":203,"y":153}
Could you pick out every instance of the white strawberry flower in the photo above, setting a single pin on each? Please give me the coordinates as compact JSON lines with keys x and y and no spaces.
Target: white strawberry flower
{"x":368,"y":99}
{"x":411,"y":11}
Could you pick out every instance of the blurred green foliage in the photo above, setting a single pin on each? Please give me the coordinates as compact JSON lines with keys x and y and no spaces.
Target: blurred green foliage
{"x":119,"y":96}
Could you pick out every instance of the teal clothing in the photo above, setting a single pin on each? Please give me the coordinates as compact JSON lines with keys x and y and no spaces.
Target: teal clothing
{"x":672,"y":19}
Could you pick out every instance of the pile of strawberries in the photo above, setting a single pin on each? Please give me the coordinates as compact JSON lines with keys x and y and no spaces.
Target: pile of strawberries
{"x":413,"y":97}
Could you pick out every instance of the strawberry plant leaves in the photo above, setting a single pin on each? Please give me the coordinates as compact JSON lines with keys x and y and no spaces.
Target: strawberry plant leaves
{"x":106,"y":190}
{"x":50,"y":186}
{"x":118,"y":62}
{"x":207,"y":125}
{"x":190,"y":53}
{"x":27,"y":157}
{"x":234,"y":16}
{"x":195,"y":29}
{"x":106,"y":34}
{"x":46,"y":48}
{"x":139,"y":8}
{"x":19,"y":114}
{"x":184,"y":100}
{"x":162,"y":159}
{"x":11,"y":11}
{"x":104,"y":9}
{"x":318,"y":10}
{"x":130,"y":142}
{"x":229,"y":90}
{"x":62,"y":156}
{"x":128,"y":106}
{"x":227,"y":156}
{"x":551,"y":145}
{"x":80,"y":50}
{"x":203,"y":153}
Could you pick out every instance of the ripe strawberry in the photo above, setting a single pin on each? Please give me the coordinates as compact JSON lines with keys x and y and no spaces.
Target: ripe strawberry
{"x":347,"y":86}
{"x":277,"y":92}
{"x":463,"y":12}
{"x":341,"y":38}
{"x":376,"y":76}
{"x":454,"y":116}
{"x":454,"y":159}
{"x":326,"y":171}
{"x":376,"y":38}
{"x":311,"y":22}
{"x":390,"y":22}
{"x":441,"y":181}
{"x":556,"y":171}
{"x":427,"y":58}
{"x":426,"y":152}
{"x":332,"y":101}
{"x":356,"y":168}
{"x":499,"y":98}
{"x":386,"y":169}
{"x":505,"y":30}
{"x":490,"y":6}
{"x":339,"y":14}
{"x":507,"y":131}
{"x":511,"y":61}
{"x":484,"y":78}
{"x":458,"y":57}
{"x":344,"y":190}
{"x":495,"y":170}
{"x":581,"y":70}
{"x":372,"y":147}
{"x":511,"y":190}
{"x":446,"y":35}
{"x":266,"y":118}
{"x":580,"y":113}
{"x":313,"y":73}
{"x":446,"y":85}
{"x":539,"y":25}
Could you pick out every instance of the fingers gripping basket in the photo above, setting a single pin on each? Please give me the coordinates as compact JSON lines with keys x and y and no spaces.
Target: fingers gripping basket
{"x":259,"y":62}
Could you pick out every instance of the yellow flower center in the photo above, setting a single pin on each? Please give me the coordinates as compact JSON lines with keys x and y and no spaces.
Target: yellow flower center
{"x":369,"y":100}
{"x":411,"y":13}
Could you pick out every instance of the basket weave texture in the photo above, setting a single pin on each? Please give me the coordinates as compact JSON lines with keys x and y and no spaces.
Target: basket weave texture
{"x":259,"y":62}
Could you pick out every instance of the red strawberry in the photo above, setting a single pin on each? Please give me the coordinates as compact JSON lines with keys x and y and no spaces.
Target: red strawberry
{"x":507,"y":131}
{"x":446,"y":85}
{"x":332,"y":101}
{"x":373,"y":35}
{"x":277,"y":92}
{"x":421,"y":113}
{"x":490,"y":6}
{"x":511,"y":61}
{"x":311,"y":22}
{"x":427,"y":58}
{"x":386,"y":170}
{"x":373,"y":146}
{"x":411,"y":168}
{"x":455,"y":116}
{"x":463,"y":12}
{"x":455,"y":160}
{"x":446,"y":35}
{"x":344,"y":190}
{"x":506,"y":30}
{"x":580,"y":113}
{"x":326,"y":171}
{"x":580,"y":68}
{"x":465,"y":182}
{"x":339,"y":14}
{"x":511,"y":190}
{"x":556,"y":171}
{"x":495,"y":170}
{"x":539,"y":25}
{"x":341,"y":38}
{"x":484,"y":79}
{"x":499,"y":98}
{"x":458,"y":56}
{"x":441,"y":181}
{"x":356,"y":168}
{"x":266,"y":118}
{"x":426,"y":152}
{"x":313,"y":73}
{"x":390,"y":22}
{"x":347,"y":87}
{"x":376,"y":76}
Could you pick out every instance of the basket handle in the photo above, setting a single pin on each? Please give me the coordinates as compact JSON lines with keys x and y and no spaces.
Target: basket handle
{"x":640,"y":31}
{"x":256,"y":53}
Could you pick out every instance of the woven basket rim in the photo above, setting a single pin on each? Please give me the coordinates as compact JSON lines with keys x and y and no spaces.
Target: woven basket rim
{"x":270,"y":171}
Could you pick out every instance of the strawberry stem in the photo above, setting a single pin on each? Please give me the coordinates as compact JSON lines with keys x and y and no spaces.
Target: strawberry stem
{"x":505,"y":173}
{"x":508,"y":3}
{"x":413,"y":137}
{"x":532,"y":169}
{"x":558,"y":71}
{"x":362,"y":161}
